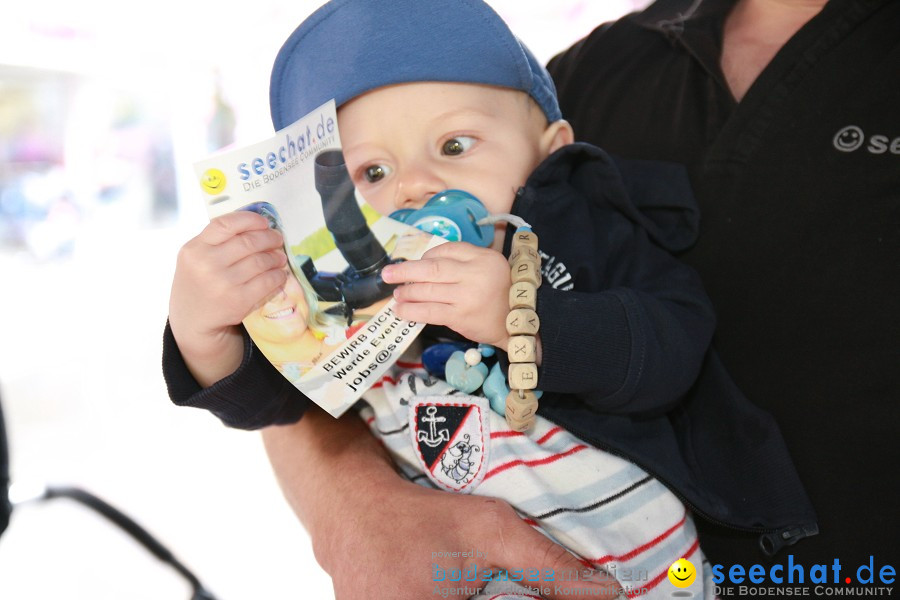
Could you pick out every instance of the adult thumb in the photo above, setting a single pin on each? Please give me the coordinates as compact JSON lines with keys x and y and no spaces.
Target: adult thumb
{"x":562,"y":574}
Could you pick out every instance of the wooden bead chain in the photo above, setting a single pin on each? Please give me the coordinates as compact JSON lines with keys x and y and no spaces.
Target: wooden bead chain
{"x":522,"y":324}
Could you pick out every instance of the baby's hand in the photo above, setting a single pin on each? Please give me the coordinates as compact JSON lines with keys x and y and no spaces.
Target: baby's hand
{"x":456,"y":284}
{"x":221,"y":275}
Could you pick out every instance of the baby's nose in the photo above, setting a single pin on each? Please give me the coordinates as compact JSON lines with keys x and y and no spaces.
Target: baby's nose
{"x":416,"y":186}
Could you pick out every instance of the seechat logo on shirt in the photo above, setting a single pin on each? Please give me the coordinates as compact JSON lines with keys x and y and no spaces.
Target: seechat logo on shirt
{"x":851,"y":138}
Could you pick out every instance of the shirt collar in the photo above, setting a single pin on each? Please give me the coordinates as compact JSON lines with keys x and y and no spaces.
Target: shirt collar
{"x":695,"y":25}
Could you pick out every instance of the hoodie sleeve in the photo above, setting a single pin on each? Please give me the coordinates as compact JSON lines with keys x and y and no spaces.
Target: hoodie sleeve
{"x":624,"y":350}
{"x":631,"y":335}
{"x":256,"y":395}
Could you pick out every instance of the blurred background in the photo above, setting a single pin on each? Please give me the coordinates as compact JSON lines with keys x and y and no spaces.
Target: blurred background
{"x":103,"y":109}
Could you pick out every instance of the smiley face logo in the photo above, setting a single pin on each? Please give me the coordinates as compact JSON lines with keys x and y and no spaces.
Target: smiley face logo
{"x":213,"y":182}
{"x":849,"y":138}
{"x":682,"y":573}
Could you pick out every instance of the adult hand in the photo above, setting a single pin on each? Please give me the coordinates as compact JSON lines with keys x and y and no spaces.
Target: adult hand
{"x":235,"y":263}
{"x":379,"y":536}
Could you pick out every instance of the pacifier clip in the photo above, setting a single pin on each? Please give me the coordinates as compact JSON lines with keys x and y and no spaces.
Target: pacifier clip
{"x":522,"y":325}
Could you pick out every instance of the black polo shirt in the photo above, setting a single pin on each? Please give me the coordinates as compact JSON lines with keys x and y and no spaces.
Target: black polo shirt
{"x":799,"y":190}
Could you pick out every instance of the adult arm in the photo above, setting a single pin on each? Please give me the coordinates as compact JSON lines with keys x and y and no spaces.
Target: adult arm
{"x":365,"y":521}
{"x":376,"y":534}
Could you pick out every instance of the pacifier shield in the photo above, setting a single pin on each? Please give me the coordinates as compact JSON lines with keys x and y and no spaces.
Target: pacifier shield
{"x":452,"y":215}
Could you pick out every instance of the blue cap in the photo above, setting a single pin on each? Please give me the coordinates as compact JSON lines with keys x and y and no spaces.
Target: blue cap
{"x":349,"y":47}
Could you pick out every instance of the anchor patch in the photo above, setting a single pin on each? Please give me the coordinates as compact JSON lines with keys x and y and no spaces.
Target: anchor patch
{"x":451,"y":438}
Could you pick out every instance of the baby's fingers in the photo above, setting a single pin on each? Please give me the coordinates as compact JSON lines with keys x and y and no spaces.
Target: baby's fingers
{"x":443,"y":293}
{"x":424,"y":270}
{"x":256,"y":264}
{"x":226,"y":226}
{"x":248,"y":243}
{"x":462,"y":251}
{"x":432,"y":313}
{"x":260,"y":288}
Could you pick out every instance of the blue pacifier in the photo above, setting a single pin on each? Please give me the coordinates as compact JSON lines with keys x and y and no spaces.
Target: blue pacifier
{"x":452,"y":215}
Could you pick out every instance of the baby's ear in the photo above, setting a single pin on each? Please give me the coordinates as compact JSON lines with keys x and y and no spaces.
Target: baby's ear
{"x":558,"y":134}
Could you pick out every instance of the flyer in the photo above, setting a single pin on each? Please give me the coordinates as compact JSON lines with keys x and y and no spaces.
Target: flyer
{"x":331,"y":330}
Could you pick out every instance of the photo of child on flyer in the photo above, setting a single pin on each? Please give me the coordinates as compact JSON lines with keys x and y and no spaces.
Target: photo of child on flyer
{"x":289,"y":328}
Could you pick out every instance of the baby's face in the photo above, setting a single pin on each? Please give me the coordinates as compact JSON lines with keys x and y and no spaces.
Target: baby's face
{"x":405,"y":143}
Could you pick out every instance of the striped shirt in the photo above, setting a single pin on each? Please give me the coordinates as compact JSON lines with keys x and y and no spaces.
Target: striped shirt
{"x":608,"y":512}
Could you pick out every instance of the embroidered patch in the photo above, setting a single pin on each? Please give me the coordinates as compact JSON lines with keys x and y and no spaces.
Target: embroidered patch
{"x":451,"y":437}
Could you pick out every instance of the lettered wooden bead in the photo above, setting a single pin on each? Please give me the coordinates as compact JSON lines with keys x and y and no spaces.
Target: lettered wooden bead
{"x":525,"y":239}
{"x":520,"y":425}
{"x":516,"y":253}
{"x":521,"y":349}
{"x":522,"y":321}
{"x":526,"y":270}
{"x":523,"y":294}
{"x":522,"y":376}
{"x":521,"y":407}
{"x":525,"y":255}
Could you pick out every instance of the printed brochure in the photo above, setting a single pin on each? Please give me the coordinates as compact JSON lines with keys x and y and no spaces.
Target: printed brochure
{"x":331,"y":330}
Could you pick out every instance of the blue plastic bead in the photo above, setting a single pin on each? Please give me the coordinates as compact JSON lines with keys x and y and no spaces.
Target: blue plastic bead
{"x":435,"y":356}
{"x":495,"y":390}
{"x":462,"y":376}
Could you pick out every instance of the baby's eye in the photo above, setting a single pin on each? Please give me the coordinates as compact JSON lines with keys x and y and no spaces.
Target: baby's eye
{"x":376,"y":173}
{"x":457,"y":145}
